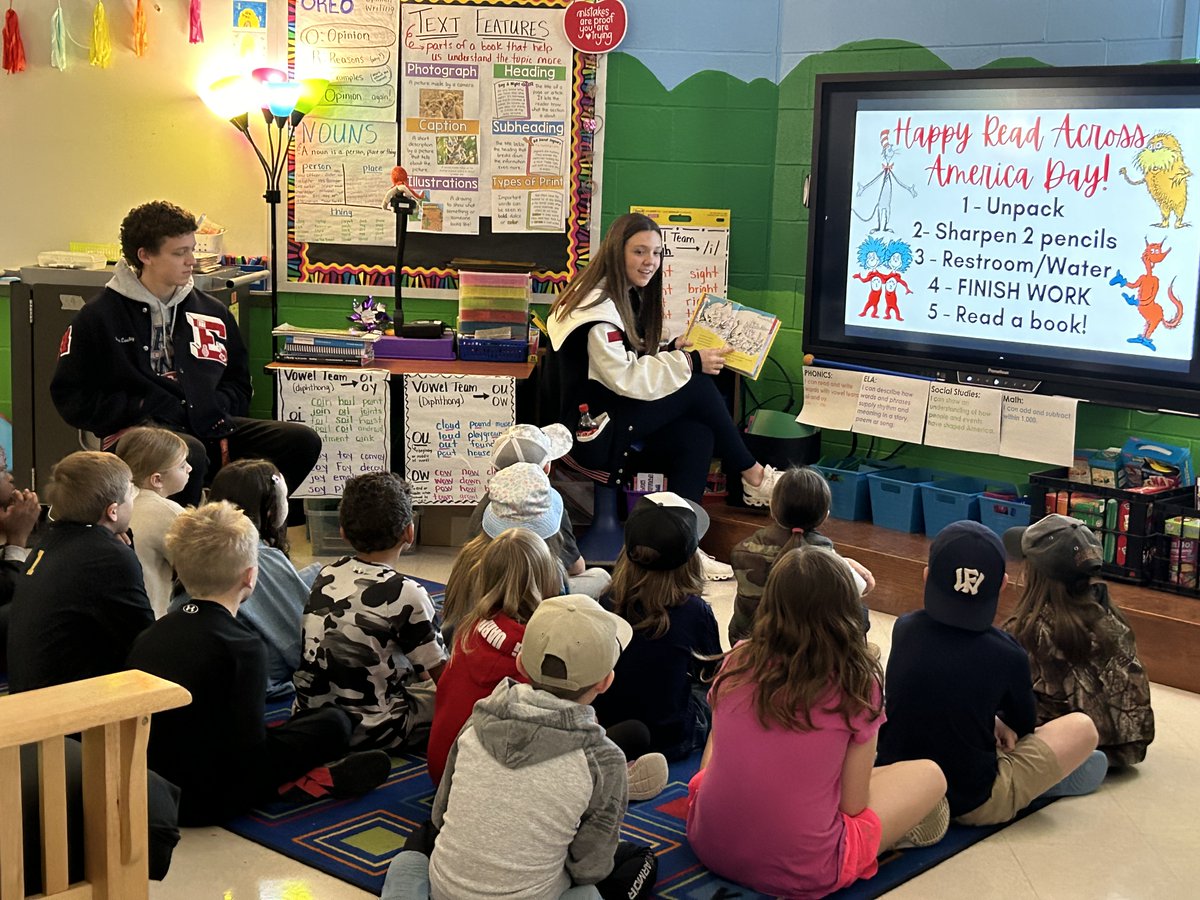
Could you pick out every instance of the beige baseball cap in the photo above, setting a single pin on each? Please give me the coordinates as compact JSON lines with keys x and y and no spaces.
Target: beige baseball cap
{"x":572,"y":642}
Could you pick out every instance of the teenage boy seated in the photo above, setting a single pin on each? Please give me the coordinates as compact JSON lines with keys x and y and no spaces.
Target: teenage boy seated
{"x":218,"y":749}
{"x":534,"y":792}
{"x":81,"y":600}
{"x":370,"y":633}
{"x":959,"y":692}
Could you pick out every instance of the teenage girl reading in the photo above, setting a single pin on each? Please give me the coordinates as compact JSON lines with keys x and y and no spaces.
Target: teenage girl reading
{"x":606,"y":336}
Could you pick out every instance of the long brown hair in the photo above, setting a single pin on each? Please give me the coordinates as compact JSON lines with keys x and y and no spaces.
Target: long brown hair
{"x":642,"y":597}
{"x":515,"y":573}
{"x":806,"y":643}
{"x":461,"y":586}
{"x":800,"y":502}
{"x":643,"y":331}
{"x":1070,"y":615}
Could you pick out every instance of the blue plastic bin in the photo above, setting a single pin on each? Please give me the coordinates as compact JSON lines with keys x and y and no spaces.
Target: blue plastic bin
{"x":848,"y":485}
{"x":895,"y":497}
{"x":1001,"y":515}
{"x":949,"y":500}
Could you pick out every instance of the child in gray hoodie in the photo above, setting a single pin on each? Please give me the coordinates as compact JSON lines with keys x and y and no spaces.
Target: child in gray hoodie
{"x":533,"y":795}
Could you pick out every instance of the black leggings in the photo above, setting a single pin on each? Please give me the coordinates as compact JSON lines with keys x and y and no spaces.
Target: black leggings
{"x":680,"y":434}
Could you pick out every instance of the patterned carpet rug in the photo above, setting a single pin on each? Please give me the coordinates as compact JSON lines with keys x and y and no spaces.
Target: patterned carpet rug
{"x":355,"y":840}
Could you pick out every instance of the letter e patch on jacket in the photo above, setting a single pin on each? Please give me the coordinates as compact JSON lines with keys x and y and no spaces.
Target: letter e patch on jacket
{"x":207,"y":334}
{"x":64,"y":346}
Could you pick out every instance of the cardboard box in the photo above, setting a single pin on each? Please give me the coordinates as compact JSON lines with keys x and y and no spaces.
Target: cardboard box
{"x":444,"y":526}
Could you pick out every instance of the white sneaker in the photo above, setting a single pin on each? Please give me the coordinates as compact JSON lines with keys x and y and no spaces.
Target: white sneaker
{"x":760,"y":495}
{"x":647,"y":776}
{"x":714,"y":569}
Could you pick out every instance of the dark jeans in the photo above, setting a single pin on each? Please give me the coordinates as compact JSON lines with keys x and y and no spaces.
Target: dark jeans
{"x":293,"y":447}
{"x":681,"y":433}
{"x":310,"y":738}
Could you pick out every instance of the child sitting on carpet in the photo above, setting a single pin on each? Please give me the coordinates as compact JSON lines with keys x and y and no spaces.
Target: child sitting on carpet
{"x":656,"y":588}
{"x":1081,"y":650}
{"x":370,"y":633}
{"x":800,"y":503}
{"x":534,"y":793}
{"x":217,"y":749}
{"x":786,"y":800}
{"x":157,"y":457}
{"x":959,"y":693}
{"x":542,"y":446}
{"x":521,"y":497}
{"x":276,"y":606}
{"x":516,"y":572}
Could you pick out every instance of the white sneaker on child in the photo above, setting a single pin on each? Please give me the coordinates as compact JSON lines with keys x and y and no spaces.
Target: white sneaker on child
{"x":760,"y":494}
{"x":930,"y":829}
{"x":647,"y":776}
{"x":714,"y":569}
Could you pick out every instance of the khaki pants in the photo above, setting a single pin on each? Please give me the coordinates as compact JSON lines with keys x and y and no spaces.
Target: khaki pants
{"x":1023,"y":773}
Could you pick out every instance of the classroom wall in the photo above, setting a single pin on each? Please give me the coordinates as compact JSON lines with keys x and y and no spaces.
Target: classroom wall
{"x":709,"y":104}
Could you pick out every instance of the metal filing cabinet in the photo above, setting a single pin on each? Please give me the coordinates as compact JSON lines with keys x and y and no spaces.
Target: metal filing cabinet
{"x":43,"y":303}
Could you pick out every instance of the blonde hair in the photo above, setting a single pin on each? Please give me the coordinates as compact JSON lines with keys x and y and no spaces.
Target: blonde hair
{"x":461,"y":586}
{"x":85,"y":484}
{"x":210,"y":547}
{"x":515,"y":573}
{"x":642,"y":597}
{"x":148,"y":451}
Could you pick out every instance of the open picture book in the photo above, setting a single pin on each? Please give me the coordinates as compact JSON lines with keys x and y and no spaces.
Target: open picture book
{"x":721,"y":322}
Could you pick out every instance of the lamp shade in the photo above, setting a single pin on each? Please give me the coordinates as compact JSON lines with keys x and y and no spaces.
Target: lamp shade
{"x":267,"y":74}
{"x":230,"y":97}
{"x":282,"y":97}
{"x":312,"y":95}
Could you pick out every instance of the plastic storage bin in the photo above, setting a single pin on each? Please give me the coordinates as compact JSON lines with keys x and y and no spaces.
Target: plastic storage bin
{"x":848,"y":485}
{"x":483,"y":350}
{"x":955,"y":499}
{"x":1001,"y":515}
{"x":1129,"y":524}
{"x":321,"y":515}
{"x":895,"y":497}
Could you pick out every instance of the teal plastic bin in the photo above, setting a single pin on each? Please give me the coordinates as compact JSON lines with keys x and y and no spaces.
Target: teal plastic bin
{"x":848,"y":485}
{"x":949,"y":500}
{"x":895,"y":497}
{"x":1000,"y":515}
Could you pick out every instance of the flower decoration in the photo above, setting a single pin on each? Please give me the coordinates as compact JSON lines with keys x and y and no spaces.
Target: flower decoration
{"x":369,"y":316}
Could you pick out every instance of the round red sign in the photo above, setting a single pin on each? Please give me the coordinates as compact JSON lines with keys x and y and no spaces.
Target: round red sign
{"x":595,"y":26}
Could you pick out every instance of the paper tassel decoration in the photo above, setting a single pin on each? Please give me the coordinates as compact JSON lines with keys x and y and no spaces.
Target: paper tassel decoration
{"x":58,"y":40}
{"x":14,"y":50}
{"x":139,"y":30}
{"x":196,"y":32}
{"x":101,"y":53}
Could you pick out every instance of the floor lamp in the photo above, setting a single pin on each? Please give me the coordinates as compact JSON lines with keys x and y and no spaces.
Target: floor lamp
{"x":283,"y":104}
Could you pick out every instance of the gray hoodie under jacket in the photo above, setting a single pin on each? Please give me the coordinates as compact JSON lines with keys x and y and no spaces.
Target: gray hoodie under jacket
{"x":531,"y":801}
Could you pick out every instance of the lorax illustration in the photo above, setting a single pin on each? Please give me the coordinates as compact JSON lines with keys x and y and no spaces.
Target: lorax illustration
{"x":1165,"y":175}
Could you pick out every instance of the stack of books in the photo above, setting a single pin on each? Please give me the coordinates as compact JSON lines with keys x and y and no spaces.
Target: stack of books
{"x":331,"y":347}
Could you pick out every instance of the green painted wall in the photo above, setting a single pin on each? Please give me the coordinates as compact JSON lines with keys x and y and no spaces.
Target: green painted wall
{"x":715,"y":141}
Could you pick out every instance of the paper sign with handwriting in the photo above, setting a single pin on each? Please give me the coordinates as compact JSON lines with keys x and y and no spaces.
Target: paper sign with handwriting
{"x":450,"y":425}
{"x":350,"y":409}
{"x":963,"y":418}
{"x":830,"y":397}
{"x":1038,"y":428}
{"x":892,"y":407}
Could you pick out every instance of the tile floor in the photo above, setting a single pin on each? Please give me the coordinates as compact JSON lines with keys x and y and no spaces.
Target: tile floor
{"x":1134,"y":838}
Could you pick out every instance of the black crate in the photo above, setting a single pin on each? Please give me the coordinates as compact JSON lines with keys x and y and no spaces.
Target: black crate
{"x":1129,"y":524}
{"x":1175,"y":565}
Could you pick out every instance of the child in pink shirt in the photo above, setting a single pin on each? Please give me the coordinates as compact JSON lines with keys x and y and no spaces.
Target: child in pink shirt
{"x":786,"y":801}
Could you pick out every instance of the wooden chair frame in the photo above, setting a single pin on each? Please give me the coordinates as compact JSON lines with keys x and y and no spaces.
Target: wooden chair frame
{"x":113,"y":713}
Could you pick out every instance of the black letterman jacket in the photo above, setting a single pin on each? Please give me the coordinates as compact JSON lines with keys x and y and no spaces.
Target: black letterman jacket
{"x":105,"y":382}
